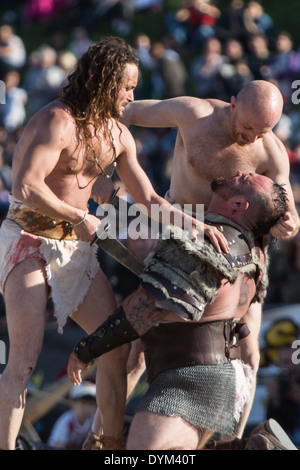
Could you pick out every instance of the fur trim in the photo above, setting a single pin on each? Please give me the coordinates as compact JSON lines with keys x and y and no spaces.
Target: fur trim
{"x":195,"y":268}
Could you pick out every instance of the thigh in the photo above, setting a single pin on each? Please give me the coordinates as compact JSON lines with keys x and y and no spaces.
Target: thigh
{"x":149,"y":431}
{"x":25,"y":297}
{"x":98,"y":304}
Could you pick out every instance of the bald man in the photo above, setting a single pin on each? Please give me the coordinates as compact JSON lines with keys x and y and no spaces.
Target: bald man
{"x":217,"y":138}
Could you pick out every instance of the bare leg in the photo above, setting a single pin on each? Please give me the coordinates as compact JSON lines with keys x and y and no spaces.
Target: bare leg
{"x":135,"y":366}
{"x":135,"y":369}
{"x":250,"y":354}
{"x":25,"y":300}
{"x":111,"y":373}
{"x":151,"y":431}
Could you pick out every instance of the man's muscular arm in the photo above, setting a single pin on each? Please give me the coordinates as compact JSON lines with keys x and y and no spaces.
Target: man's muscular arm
{"x":279,"y":171}
{"x":173,"y":112}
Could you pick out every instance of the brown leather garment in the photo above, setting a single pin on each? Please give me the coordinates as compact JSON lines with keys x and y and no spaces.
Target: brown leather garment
{"x":41,"y":225}
{"x":180,"y":344}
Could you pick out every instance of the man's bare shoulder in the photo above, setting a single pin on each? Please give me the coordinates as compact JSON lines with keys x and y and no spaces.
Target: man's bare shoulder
{"x":123,"y":130}
{"x":56,"y":116}
{"x":272,"y":143}
{"x":200,"y":107}
{"x":273,"y":158}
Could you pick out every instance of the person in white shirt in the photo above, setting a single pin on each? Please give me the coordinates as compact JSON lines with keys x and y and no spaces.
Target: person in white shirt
{"x":71,"y":428}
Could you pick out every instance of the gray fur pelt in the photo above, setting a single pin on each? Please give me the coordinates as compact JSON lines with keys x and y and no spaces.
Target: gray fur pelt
{"x":194,"y":267}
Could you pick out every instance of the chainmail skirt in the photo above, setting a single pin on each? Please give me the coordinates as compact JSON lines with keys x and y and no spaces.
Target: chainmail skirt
{"x":211,"y":397}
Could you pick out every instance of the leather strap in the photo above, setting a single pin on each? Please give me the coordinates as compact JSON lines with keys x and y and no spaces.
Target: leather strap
{"x":41,"y":225}
{"x":180,"y":344}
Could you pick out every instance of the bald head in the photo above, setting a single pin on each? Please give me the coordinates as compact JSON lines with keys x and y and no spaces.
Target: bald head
{"x":255,"y":111}
{"x":261,"y":99}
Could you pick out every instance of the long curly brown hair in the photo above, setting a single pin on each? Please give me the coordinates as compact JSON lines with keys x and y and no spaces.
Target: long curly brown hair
{"x":92,"y":89}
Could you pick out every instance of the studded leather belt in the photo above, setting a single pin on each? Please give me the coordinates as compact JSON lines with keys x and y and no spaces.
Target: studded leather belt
{"x":41,"y":225}
{"x":185,"y":344}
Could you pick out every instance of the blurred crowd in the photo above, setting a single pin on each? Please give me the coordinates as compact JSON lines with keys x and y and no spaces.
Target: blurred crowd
{"x":207,"y":50}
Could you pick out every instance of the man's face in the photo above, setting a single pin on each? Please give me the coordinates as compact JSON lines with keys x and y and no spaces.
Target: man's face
{"x":248,"y":127}
{"x":127,"y":87}
{"x":246,"y":184}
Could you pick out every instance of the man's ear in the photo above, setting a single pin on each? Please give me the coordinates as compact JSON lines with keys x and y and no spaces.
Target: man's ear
{"x":240,"y":206}
{"x":233,"y":103}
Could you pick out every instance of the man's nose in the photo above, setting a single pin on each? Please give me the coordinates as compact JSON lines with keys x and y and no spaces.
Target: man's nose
{"x":252,"y":137}
{"x":131,"y":96}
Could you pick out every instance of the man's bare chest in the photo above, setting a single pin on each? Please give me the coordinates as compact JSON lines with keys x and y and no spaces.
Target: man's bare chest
{"x":211,"y":158}
{"x":89,"y":161}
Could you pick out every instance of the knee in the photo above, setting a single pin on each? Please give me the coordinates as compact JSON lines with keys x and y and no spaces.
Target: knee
{"x":20,"y":366}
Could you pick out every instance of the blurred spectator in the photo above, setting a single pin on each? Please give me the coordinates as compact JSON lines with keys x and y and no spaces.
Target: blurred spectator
{"x":259,"y":55}
{"x":284,"y":394}
{"x":70,"y":430}
{"x":231,"y":23}
{"x":43,"y":10}
{"x":295,"y":164}
{"x":196,"y":20}
{"x":284,"y":130}
{"x":48,"y":78}
{"x":67,"y":61}
{"x":58,"y":40}
{"x":206,"y":67}
{"x":169,"y":76}
{"x":235,"y":73}
{"x":241,"y":75}
{"x":118,"y":12}
{"x":144,"y":6}
{"x":4,"y":189}
{"x":142,"y":43}
{"x":284,"y":272}
{"x":5,"y":171}
{"x":284,"y":64}
{"x":13,"y":112}
{"x":12,"y":49}
{"x":8,"y":142}
{"x":80,"y":41}
{"x":258,"y":21}
{"x":234,"y":51}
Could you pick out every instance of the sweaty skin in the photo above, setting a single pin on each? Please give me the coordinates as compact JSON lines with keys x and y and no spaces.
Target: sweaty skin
{"x":217,"y":138}
{"x":233,"y":300}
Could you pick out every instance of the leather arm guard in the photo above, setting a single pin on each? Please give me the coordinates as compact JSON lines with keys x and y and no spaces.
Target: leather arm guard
{"x":114,"y":332}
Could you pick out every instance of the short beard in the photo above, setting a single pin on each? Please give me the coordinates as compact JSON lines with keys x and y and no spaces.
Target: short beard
{"x":216,"y":183}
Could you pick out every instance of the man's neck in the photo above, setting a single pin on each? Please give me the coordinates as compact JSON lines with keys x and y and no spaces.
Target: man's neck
{"x":229,"y":214}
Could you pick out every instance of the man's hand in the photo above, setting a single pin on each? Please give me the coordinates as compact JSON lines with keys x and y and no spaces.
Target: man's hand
{"x":75,"y":366}
{"x":216,"y":237}
{"x":102,"y":190}
{"x":86,"y":230}
{"x":285,"y":227}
